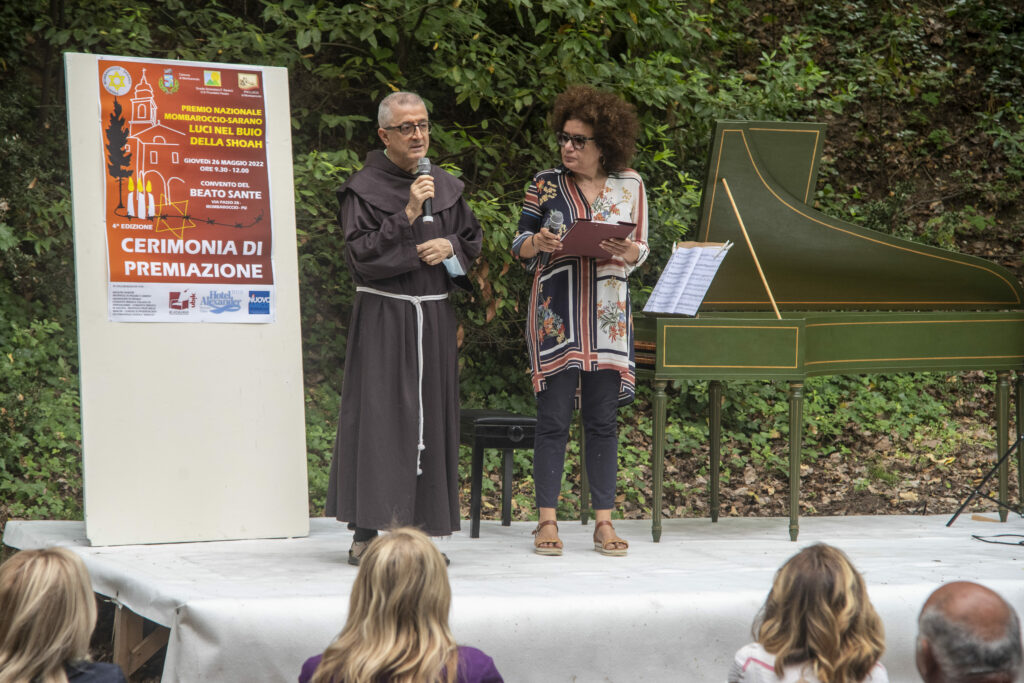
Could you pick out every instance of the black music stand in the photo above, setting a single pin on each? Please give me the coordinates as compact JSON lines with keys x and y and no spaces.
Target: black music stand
{"x":977,"y":489}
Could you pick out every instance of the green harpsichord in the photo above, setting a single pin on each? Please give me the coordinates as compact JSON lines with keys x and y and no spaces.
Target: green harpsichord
{"x":849,"y":299}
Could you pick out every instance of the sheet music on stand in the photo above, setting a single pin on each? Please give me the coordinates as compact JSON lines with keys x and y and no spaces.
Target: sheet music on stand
{"x":686,"y":278}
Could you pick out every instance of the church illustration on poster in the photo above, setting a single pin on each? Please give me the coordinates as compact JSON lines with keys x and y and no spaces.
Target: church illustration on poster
{"x":151,"y":142}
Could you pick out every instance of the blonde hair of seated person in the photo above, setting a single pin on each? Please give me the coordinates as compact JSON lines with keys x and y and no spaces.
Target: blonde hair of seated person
{"x":47,"y":615}
{"x":818,"y":612}
{"x":397,"y":627}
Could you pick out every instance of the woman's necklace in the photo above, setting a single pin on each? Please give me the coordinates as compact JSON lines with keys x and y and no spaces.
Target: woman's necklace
{"x":591,"y":188}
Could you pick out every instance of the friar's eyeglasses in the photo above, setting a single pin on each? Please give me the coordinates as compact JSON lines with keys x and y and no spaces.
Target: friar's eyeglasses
{"x":407,"y":128}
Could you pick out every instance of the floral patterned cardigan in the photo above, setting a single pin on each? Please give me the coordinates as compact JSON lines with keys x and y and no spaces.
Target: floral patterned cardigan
{"x":580,"y":315}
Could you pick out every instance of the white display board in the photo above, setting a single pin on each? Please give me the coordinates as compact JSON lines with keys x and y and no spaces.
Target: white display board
{"x":191,"y":432}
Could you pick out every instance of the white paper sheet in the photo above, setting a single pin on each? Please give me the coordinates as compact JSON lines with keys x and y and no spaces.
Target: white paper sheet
{"x":686,"y":279}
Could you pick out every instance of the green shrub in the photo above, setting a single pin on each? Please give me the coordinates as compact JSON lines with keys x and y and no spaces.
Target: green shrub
{"x":40,"y":437}
{"x":902,"y":84}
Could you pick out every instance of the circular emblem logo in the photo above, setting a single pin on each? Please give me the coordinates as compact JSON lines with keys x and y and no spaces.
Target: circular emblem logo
{"x":117,"y":80}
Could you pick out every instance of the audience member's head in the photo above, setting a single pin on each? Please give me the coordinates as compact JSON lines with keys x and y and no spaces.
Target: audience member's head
{"x":47,"y":615}
{"x":968,"y":634}
{"x":818,"y":612}
{"x":397,"y":627}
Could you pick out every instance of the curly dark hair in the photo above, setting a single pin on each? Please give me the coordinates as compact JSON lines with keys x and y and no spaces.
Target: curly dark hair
{"x":614,"y":121}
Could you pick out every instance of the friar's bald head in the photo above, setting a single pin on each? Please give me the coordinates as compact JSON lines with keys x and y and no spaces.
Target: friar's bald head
{"x":967,"y":633}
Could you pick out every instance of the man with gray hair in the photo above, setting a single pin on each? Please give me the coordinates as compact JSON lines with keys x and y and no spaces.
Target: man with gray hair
{"x":410,"y":239}
{"x":968,"y":634}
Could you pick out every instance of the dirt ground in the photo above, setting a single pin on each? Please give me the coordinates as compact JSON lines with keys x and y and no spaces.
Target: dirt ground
{"x":880,"y":476}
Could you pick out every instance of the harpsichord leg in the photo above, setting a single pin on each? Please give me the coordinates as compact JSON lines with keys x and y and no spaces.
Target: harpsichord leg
{"x":796,"y":438}
{"x":659,"y":456}
{"x":1020,"y":431}
{"x":715,"y":441}
{"x":1003,"y":437}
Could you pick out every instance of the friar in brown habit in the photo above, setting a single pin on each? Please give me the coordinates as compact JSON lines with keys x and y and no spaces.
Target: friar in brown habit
{"x":396,"y":451}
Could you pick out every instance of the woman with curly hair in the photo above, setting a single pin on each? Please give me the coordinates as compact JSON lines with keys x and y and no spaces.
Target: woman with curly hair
{"x":47,"y":615}
{"x":397,"y":627}
{"x":816,"y":626}
{"x":579,"y":331}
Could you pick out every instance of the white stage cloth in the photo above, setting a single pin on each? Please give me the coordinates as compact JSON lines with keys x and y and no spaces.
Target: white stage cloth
{"x":676,"y":610}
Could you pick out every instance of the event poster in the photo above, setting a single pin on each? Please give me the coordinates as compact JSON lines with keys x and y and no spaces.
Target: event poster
{"x":187,"y":192}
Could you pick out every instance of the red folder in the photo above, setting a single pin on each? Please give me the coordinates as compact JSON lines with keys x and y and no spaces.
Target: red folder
{"x":583,"y":238}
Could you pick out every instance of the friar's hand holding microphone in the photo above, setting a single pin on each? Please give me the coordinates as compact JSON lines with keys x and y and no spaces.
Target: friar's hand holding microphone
{"x":435,"y":251}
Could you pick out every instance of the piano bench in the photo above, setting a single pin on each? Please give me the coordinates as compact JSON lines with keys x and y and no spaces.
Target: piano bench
{"x":493,"y":429}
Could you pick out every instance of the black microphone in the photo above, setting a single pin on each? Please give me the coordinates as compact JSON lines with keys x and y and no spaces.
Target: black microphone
{"x":554,"y":223}
{"x":423,"y":168}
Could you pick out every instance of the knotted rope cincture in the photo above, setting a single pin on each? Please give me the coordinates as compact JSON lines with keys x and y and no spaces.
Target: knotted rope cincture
{"x":415,"y":301}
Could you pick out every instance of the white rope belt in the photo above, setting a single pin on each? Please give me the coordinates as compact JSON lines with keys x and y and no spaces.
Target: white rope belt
{"x":415,"y":301}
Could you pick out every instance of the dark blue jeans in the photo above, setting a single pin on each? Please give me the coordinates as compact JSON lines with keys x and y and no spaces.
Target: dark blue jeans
{"x":599,"y":407}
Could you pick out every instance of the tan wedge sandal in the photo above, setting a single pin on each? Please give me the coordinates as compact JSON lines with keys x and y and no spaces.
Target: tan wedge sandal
{"x":547,"y":546}
{"x":609,"y":547}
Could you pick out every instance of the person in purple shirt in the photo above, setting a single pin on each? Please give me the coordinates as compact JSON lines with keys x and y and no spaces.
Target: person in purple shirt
{"x":397,"y":627}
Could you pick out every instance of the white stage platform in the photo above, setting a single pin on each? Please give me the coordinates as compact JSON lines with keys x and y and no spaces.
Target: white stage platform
{"x":670,"y":611}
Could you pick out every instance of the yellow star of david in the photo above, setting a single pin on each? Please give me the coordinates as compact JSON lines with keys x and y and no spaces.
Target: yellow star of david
{"x":116,"y":81}
{"x":166,"y":211}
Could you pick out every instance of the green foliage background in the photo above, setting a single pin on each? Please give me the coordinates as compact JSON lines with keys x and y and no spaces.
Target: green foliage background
{"x":925,"y":141}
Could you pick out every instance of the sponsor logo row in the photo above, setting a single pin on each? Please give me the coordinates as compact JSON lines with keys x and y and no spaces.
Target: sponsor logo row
{"x":219,"y":301}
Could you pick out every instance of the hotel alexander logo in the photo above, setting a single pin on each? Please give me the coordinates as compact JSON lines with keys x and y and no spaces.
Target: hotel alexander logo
{"x":217,"y":301}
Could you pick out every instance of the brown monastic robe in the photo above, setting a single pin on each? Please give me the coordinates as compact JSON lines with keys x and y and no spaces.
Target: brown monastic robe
{"x":373,"y":481}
